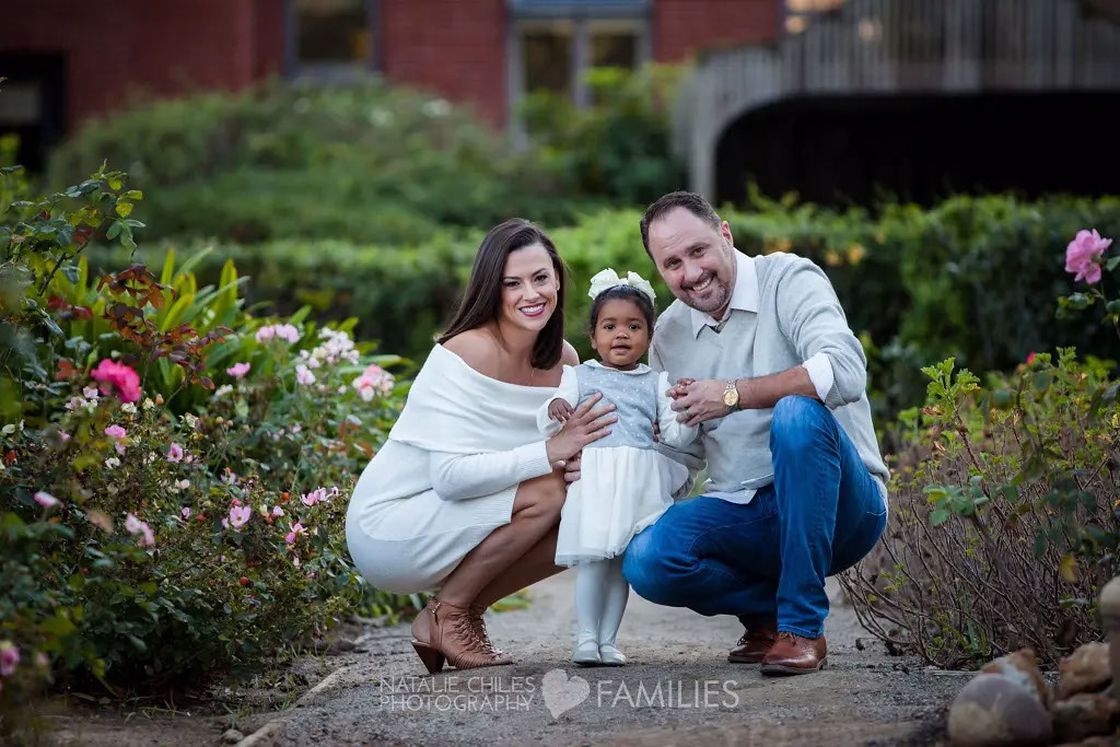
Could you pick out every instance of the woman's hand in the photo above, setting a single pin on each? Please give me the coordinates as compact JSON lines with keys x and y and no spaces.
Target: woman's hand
{"x":585,"y":426}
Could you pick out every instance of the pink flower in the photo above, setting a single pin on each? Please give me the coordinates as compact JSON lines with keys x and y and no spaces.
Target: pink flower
{"x":135,"y":526}
{"x":288,"y":332}
{"x":9,"y":659}
{"x":297,"y":529}
{"x":266,"y":333}
{"x":45,"y":499}
{"x":175,"y":453}
{"x":115,"y":431}
{"x":304,"y":375}
{"x":64,"y":436}
{"x":277,"y":511}
{"x":238,"y":370}
{"x":186,"y":512}
{"x":238,"y":515}
{"x":1083,"y":253}
{"x":374,"y":380}
{"x":1031,"y":357}
{"x":117,"y":375}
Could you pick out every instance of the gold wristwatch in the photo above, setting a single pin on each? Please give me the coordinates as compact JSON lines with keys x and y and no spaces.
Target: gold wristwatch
{"x":731,"y":395}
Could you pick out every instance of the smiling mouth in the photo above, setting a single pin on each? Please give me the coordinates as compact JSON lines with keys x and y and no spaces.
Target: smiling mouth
{"x":536,"y":310}
{"x":701,"y":287}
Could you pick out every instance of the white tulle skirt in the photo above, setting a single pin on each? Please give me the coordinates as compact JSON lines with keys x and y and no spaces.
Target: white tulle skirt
{"x":621,"y":491}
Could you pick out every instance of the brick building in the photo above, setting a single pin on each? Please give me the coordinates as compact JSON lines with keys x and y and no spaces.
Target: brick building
{"x":69,"y":60}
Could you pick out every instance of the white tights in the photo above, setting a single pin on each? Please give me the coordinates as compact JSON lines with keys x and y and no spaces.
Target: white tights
{"x":601,"y":594}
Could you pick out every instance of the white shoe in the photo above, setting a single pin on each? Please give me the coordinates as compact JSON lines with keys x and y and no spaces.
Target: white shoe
{"x":587,"y":653}
{"x":611,"y":656}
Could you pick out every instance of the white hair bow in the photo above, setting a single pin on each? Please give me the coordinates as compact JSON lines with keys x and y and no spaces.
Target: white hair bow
{"x":608,"y":278}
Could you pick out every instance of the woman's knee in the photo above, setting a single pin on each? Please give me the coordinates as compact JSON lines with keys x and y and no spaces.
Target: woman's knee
{"x":541,"y":497}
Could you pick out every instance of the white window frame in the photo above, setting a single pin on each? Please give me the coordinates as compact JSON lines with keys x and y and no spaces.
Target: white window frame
{"x":581,"y":28}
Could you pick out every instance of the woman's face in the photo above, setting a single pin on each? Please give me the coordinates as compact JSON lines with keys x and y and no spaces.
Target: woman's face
{"x":529,"y":288}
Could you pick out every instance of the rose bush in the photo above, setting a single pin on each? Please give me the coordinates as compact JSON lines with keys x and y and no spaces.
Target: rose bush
{"x":174,"y":470}
{"x":1005,"y":512}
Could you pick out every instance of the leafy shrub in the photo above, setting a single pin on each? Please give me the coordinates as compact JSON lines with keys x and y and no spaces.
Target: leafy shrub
{"x":177,"y":507}
{"x":619,"y":147}
{"x":1005,"y":521}
{"x":365,"y":163}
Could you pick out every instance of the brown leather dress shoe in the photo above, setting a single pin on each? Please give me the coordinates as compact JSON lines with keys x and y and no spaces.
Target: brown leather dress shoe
{"x":792,"y":654}
{"x":754,"y":644}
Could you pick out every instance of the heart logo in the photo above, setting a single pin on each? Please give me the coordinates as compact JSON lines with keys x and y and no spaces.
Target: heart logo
{"x":562,"y":693}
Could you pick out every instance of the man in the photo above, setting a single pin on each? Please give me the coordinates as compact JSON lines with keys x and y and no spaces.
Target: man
{"x":765,"y":362}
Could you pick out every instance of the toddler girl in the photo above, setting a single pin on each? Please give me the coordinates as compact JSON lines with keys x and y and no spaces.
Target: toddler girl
{"x":625,"y":484}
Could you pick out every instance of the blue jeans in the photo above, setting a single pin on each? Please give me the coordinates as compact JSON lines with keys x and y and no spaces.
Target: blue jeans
{"x":767,"y":560}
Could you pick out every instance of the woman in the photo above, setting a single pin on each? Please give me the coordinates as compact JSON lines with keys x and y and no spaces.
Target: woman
{"x":465,"y":496}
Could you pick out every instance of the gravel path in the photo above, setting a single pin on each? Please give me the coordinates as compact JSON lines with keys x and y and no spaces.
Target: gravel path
{"x":677,"y":689}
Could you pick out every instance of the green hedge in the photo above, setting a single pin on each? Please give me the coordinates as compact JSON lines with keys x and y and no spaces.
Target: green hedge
{"x":366,"y":163}
{"x":974,"y":278}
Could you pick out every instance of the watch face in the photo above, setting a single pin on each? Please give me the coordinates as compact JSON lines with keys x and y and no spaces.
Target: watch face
{"x":730,"y":399}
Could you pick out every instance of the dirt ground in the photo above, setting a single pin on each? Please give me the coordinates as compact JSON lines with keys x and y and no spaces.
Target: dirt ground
{"x":678,"y":689}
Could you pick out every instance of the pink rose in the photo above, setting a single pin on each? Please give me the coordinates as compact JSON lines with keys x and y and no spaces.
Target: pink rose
{"x":135,"y":526}
{"x":297,"y":529}
{"x":1083,"y":253}
{"x":238,"y":370}
{"x":175,"y":452}
{"x":115,"y":431}
{"x":45,"y":499}
{"x":9,"y":659}
{"x":119,"y":376}
{"x":238,"y":515}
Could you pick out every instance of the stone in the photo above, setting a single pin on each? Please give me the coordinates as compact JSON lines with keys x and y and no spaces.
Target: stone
{"x":1085,"y":715}
{"x":1021,"y":667}
{"x":1085,"y":670}
{"x":232,"y":736}
{"x":993,"y":710}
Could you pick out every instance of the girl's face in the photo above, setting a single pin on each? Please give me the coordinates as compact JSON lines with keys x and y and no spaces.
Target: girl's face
{"x":621,"y":335}
{"x":529,"y":288}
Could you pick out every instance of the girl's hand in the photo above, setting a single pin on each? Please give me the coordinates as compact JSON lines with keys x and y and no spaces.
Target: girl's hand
{"x":585,"y":426}
{"x":560,"y":410}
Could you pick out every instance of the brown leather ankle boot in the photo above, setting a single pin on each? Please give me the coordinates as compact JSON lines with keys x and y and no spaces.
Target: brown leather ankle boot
{"x":444,"y":632}
{"x":476,"y":612}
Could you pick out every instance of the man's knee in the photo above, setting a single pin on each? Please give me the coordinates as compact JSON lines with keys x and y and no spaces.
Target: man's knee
{"x":653,"y":573}
{"x":797,"y":422}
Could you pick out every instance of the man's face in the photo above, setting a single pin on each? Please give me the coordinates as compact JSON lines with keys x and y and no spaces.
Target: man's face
{"x":695,"y":260}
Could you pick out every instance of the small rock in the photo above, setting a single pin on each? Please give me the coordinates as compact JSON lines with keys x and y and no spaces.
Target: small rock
{"x":1085,"y":670}
{"x":232,"y":736}
{"x":993,"y":710}
{"x":1021,"y":667}
{"x":1085,"y":715}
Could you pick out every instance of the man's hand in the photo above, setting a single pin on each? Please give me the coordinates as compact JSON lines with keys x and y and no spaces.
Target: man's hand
{"x":559,"y":410}
{"x":697,"y":401}
{"x":571,"y":468}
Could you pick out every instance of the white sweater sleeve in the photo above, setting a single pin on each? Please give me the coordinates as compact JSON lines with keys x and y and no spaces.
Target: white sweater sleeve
{"x":457,"y":477}
{"x":568,"y":390}
{"x":674,"y":433}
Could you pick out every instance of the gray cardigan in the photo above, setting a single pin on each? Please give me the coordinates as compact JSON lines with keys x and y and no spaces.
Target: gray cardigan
{"x":798,"y":317}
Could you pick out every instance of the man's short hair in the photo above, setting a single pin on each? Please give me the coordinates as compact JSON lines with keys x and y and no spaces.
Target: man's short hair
{"x":690,"y":201}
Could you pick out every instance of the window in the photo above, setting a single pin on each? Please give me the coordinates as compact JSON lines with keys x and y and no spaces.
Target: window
{"x":554,"y":43}
{"x":800,"y":12}
{"x":32,"y":105}
{"x":330,"y":38}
